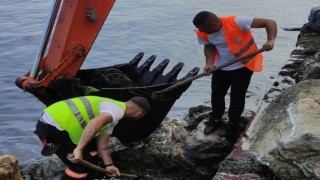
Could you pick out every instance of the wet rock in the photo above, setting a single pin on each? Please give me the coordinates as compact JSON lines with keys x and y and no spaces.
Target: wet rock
{"x":49,"y":168}
{"x":286,"y":136}
{"x":248,"y":168}
{"x":196,"y":115}
{"x":292,"y":29}
{"x":314,"y":18}
{"x":308,"y":42}
{"x":179,"y":149}
{"x":9,"y":168}
{"x":310,"y":68}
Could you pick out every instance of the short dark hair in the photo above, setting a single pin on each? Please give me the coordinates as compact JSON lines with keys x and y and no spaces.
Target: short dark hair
{"x":142,"y":102}
{"x":202,"y":17}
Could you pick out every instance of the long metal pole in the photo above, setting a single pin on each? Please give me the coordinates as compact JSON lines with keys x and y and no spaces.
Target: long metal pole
{"x":44,"y":40}
{"x":178,"y":84}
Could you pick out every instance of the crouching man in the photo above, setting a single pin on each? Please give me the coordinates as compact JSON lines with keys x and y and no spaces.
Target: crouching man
{"x":82,"y":126}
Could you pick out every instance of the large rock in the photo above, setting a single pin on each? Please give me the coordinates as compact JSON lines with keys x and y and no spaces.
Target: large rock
{"x":177,"y":150}
{"x":49,"y":168}
{"x":9,"y":168}
{"x":314,"y":18}
{"x":311,"y":68}
{"x":286,"y":136}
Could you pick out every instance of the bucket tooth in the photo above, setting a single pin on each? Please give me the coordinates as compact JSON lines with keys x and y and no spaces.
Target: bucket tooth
{"x":135,"y":61}
{"x":150,"y":76}
{"x":170,"y":76}
{"x":160,"y":68}
{"x":147,"y":64}
{"x":191,"y":73}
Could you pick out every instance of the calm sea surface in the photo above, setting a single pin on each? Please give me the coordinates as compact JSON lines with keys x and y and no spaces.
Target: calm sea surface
{"x":162,"y":28}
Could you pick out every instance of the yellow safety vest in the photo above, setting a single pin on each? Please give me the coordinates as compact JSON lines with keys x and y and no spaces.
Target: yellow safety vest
{"x":72,"y":115}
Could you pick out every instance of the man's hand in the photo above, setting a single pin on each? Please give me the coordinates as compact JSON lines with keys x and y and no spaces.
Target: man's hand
{"x":113,"y":170}
{"x":77,"y":155}
{"x":268,"y":45}
{"x":207,"y":69}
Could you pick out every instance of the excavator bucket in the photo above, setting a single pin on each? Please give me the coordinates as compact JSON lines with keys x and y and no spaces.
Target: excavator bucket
{"x":56,"y":74}
{"x":124,"y":81}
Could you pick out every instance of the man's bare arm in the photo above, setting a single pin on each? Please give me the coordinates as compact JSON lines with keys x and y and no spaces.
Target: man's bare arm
{"x":89,"y":132}
{"x":103,"y":148}
{"x":209,"y":51}
{"x":271,"y":29}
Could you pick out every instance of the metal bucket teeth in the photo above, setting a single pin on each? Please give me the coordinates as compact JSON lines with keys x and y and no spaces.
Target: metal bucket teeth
{"x":160,"y":68}
{"x":147,"y":64}
{"x":149,"y":76}
{"x":170,"y":76}
{"x":135,"y":61}
{"x":191,"y":73}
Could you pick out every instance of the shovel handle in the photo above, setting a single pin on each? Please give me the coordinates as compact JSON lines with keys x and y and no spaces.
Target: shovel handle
{"x":99,"y":169}
{"x":188,"y":80}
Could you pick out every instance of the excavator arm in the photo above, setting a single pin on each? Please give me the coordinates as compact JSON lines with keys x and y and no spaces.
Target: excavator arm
{"x":71,"y":30}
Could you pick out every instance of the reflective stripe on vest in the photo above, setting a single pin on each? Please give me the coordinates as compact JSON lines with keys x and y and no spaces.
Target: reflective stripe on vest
{"x":245,"y":48}
{"x":240,"y":43}
{"x":75,"y":175}
{"x":77,"y":113}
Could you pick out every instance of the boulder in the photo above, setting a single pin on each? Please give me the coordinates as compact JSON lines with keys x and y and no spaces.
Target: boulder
{"x":9,"y":168}
{"x":311,"y":68}
{"x":49,"y":168}
{"x":314,"y":18}
{"x":286,"y":135}
{"x":178,"y":149}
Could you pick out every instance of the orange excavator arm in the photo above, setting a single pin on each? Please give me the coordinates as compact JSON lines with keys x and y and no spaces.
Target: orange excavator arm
{"x":71,"y":30}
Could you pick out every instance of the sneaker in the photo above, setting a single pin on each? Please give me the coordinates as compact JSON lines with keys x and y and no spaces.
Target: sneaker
{"x":228,"y":130}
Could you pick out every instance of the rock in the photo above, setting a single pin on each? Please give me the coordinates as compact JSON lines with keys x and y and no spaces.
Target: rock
{"x":49,"y":168}
{"x":310,"y":68}
{"x":292,"y":29}
{"x":178,"y":149}
{"x":286,"y":136}
{"x":159,"y":157}
{"x":308,"y":43}
{"x":314,"y":18}
{"x":9,"y":168}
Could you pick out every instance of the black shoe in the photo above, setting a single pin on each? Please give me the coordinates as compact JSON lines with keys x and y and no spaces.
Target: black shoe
{"x":212,"y":125}
{"x":208,"y":130}
{"x":209,"y":123}
{"x":228,"y":130}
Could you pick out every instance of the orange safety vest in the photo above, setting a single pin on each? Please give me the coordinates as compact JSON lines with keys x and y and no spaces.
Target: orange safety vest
{"x":240,"y":43}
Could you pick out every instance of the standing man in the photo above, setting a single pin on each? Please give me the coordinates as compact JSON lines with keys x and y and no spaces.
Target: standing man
{"x":82,"y":126}
{"x":224,"y":39}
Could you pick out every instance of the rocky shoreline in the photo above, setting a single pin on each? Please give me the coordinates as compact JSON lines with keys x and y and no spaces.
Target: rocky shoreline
{"x":281,"y":142}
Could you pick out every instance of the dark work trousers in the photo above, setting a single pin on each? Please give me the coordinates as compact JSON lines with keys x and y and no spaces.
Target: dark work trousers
{"x":67,"y":147}
{"x":239,"y":81}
